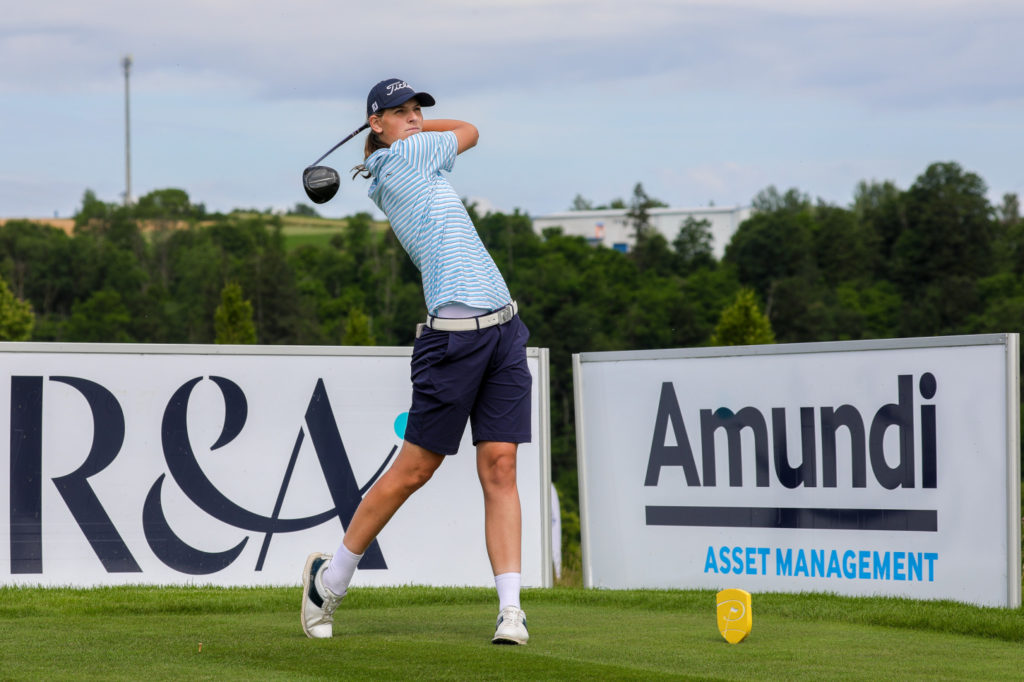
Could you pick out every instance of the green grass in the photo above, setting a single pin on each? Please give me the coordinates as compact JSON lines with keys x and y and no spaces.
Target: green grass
{"x":302,"y":230}
{"x":434,"y":633}
{"x":295,"y":240}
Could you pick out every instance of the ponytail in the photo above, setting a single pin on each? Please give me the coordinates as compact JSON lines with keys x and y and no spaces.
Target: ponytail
{"x":373,"y":143}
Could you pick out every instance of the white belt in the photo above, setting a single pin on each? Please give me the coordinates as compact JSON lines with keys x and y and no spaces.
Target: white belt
{"x":468,"y":324}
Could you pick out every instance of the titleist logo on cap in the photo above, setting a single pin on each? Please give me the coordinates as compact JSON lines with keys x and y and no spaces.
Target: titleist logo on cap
{"x":394,"y":92}
{"x":392,"y":87}
{"x":389,"y":90}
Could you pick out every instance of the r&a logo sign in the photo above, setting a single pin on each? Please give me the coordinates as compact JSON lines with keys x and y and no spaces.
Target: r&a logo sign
{"x":26,"y":481}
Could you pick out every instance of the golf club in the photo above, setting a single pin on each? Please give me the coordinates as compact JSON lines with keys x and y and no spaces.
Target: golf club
{"x":322,"y":182}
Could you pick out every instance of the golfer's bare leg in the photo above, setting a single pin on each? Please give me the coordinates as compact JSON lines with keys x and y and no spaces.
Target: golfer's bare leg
{"x":496,"y":467}
{"x":412,"y":468}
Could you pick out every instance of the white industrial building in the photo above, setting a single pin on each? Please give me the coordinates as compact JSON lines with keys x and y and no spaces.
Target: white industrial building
{"x":611,"y":227}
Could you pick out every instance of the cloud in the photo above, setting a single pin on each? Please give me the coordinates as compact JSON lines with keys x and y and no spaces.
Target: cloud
{"x":699,"y":99}
{"x":899,"y":53}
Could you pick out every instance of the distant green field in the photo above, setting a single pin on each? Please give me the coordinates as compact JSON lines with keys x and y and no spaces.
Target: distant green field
{"x":294,"y":241}
{"x":433,"y":633}
{"x":303,"y":230}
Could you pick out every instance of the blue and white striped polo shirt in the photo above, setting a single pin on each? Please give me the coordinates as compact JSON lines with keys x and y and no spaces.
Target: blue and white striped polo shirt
{"x":431,"y":222}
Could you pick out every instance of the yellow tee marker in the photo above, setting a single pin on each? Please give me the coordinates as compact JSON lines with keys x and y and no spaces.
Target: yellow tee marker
{"x":735,"y":618}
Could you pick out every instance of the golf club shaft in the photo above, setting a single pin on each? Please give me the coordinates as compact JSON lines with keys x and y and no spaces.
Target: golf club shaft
{"x":350,"y":136}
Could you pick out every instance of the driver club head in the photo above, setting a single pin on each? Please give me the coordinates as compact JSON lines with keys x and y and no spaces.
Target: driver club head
{"x":321,"y":183}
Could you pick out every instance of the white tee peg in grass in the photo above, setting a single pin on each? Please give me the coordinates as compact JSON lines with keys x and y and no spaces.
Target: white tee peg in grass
{"x":735,"y":618}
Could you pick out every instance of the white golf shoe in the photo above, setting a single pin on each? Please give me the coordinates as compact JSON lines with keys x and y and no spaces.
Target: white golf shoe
{"x":318,"y":602}
{"x":511,"y":627}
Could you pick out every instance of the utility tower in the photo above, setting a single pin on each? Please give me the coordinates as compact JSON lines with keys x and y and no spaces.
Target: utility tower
{"x":127,"y":64}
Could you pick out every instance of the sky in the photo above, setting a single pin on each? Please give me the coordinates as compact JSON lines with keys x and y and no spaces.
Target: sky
{"x":702,"y":101}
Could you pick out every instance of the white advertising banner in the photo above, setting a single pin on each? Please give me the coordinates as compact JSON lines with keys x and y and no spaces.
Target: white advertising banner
{"x":227,"y":465}
{"x":860,"y":468}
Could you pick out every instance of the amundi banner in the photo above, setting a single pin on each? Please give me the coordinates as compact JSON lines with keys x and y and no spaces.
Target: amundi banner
{"x":861,"y":468}
{"x":227,"y":465}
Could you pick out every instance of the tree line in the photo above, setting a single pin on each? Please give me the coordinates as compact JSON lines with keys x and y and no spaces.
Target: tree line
{"x":933,"y":259}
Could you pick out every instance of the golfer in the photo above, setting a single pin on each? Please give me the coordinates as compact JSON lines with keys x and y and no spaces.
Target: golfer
{"x":468,"y":360}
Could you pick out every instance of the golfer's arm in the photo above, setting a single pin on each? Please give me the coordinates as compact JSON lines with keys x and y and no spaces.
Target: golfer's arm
{"x":465,"y":133}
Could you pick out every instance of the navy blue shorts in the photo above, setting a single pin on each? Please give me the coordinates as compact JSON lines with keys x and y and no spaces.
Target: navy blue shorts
{"x":480,"y":376}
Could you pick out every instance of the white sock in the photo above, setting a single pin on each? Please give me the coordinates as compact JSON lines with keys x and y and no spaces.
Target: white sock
{"x":508,"y":589}
{"x":339,"y":572}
